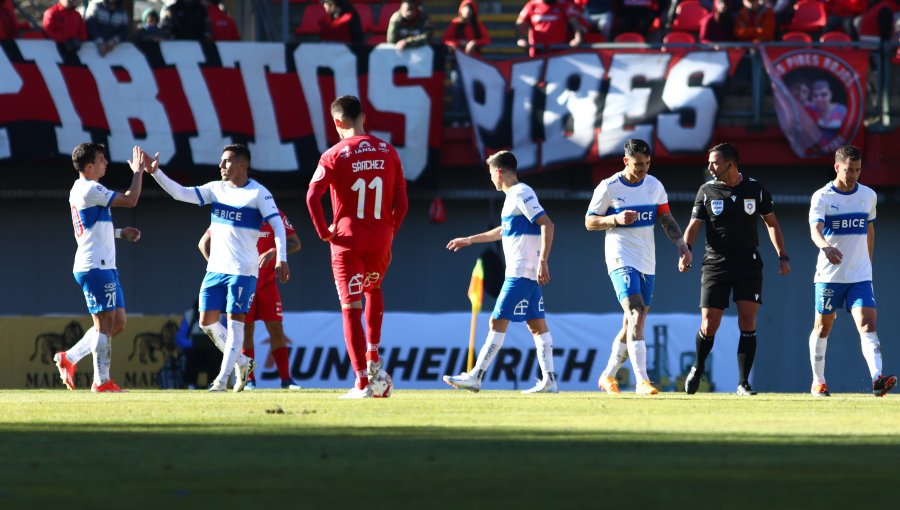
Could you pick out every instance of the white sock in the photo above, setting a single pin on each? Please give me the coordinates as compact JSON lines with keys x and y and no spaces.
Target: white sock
{"x":817,"y":348}
{"x":544,"y":344}
{"x":82,"y":348}
{"x":489,"y":350}
{"x":232,"y":350}
{"x":217,"y":333}
{"x":98,"y":349}
{"x":104,"y":367}
{"x":637,"y":351}
{"x":617,"y":358}
{"x":871,"y":349}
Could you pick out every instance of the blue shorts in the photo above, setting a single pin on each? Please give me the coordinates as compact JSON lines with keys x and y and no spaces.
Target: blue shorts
{"x":831,"y":296}
{"x":520,"y":300}
{"x":102,"y":290}
{"x":628,"y":281}
{"x":227,"y":292}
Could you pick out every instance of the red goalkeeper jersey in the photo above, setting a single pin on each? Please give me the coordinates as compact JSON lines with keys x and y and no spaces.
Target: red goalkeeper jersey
{"x":368,"y":193}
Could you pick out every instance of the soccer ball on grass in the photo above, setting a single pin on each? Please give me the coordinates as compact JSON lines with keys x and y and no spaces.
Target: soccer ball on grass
{"x":381,"y":384}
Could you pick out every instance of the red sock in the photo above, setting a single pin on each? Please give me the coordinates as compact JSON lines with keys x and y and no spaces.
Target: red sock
{"x":281,"y":361}
{"x":250,"y":353}
{"x":374,"y":318}
{"x":355,"y":339}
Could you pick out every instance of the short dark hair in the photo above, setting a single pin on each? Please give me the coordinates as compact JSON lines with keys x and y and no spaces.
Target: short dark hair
{"x":504,"y":160}
{"x":728,"y":151}
{"x":240,"y":150}
{"x":847,"y":153}
{"x":635,"y":146}
{"x":85,"y":154}
{"x":346,"y":107}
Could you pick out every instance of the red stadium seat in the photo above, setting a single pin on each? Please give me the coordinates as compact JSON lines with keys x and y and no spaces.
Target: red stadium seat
{"x":630,"y":37}
{"x":365,"y":17}
{"x":800,"y":37}
{"x":835,"y":37}
{"x":593,"y":38}
{"x":688,"y":16}
{"x":384,"y":17}
{"x":309,"y":24}
{"x":809,"y":17}
{"x":679,"y":38}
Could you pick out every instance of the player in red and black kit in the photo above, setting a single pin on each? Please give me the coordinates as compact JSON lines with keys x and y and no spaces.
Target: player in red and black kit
{"x":266,"y":304}
{"x":368,"y":197}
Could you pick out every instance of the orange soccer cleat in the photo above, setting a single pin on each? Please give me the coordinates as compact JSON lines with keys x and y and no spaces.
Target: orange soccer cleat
{"x":646,"y":388}
{"x":66,"y":369}
{"x":609,"y":385}
{"x":108,"y":387}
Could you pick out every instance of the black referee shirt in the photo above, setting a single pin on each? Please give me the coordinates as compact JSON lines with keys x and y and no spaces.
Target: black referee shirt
{"x":731,"y":216}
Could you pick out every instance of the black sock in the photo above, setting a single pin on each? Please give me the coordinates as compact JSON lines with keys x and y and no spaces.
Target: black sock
{"x":745,"y":354}
{"x":704,"y":347}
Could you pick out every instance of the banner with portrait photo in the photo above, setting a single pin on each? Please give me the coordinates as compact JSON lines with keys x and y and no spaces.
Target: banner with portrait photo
{"x":819,"y":96}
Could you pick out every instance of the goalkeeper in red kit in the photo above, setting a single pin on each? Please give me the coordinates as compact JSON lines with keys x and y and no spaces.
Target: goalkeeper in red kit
{"x":368,"y":198}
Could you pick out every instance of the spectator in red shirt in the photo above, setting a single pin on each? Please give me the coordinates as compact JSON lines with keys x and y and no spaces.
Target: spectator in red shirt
{"x":718,"y":26}
{"x":755,"y":22}
{"x":221,"y":25}
{"x":8,"y":27}
{"x":63,"y":24}
{"x":342,"y":23}
{"x":466,"y":31}
{"x":547,"y":23}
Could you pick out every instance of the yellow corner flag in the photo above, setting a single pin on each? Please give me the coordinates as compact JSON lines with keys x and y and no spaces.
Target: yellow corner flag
{"x":476,"y":294}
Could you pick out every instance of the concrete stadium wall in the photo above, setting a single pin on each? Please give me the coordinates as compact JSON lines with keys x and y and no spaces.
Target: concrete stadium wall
{"x":161,"y":274}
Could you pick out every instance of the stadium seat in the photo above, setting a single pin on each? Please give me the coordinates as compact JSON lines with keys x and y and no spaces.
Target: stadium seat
{"x":679,"y":38}
{"x":809,"y":17}
{"x":800,"y":37}
{"x":593,"y":38}
{"x":688,"y":16}
{"x":835,"y":37}
{"x":365,"y":17}
{"x":376,"y":39}
{"x":384,"y":17}
{"x":309,"y":24}
{"x":630,"y":37}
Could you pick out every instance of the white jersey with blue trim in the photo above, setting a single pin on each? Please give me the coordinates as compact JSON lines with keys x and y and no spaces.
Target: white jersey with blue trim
{"x":89,"y":202}
{"x":630,"y":245}
{"x":521,"y":235}
{"x":237,"y":214}
{"x":845,"y":217}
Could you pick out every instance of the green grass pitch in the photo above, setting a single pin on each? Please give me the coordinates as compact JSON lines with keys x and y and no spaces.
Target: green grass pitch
{"x":445,"y":449}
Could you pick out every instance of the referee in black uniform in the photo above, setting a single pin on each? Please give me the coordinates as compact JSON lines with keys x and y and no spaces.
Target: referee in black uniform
{"x":729,"y":206}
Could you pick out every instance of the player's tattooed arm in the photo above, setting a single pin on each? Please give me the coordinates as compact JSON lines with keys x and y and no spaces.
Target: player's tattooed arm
{"x":671,"y":228}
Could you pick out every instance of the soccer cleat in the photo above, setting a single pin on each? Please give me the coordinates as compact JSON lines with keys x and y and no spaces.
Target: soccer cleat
{"x":218,"y":387}
{"x":290,"y":385}
{"x":745,"y":390}
{"x":820,"y":390}
{"x":609,"y":385}
{"x":108,"y":387}
{"x":356,"y":393}
{"x":242,"y":375}
{"x":373,"y":367}
{"x":547,"y":385}
{"x":463,"y":381}
{"x":251,"y":385}
{"x":646,"y":388}
{"x":883,"y":384}
{"x":66,"y":369}
{"x":692,"y":381}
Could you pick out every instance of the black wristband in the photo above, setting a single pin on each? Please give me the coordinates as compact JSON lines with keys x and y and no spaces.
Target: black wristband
{"x":784,"y":258}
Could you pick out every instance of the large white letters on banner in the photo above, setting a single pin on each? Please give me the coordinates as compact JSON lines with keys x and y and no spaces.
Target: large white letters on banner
{"x":679,"y":95}
{"x":563,"y":103}
{"x":46,"y":57}
{"x":132,"y":99}
{"x":624,"y":99}
{"x":10,"y":83}
{"x":308,"y":59}
{"x":485,"y":115}
{"x":254,"y":60}
{"x":411,"y":102}
{"x":525,"y":77}
{"x":420,"y":348}
{"x":186,"y":56}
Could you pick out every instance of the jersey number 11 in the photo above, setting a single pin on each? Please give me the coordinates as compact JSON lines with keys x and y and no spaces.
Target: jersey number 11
{"x":360,"y":188}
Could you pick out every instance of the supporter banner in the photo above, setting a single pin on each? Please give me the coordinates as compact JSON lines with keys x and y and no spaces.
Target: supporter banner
{"x":819,"y":96}
{"x":187,"y":100}
{"x":27,"y":346}
{"x":579,"y":106}
{"x":419,"y":349}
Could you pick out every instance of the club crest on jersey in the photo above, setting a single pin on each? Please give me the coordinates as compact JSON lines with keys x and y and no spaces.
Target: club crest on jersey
{"x":749,"y":205}
{"x":717,"y":206}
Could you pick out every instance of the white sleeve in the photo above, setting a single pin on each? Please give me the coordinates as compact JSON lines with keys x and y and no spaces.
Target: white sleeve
{"x":874,"y":200}
{"x":191,"y":195}
{"x":817,"y":209}
{"x":99,"y":194}
{"x":662,"y":196}
{"x":269,"y":211}
{"x":600,"y":202}
{"x":527,"y":202}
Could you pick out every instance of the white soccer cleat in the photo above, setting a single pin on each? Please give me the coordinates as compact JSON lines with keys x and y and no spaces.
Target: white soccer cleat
{"x":356,"y":393}
{"x":547,"y":385}
{"x":463,"y":381}
{"x":242,"y":374}
{"x":218,"y":387}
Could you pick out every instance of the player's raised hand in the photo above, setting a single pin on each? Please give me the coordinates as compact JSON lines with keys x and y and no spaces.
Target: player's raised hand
{"x":135,"y":162}
{"x":833,"y":254}
{"x":282,"y":271}
{"x":266,"y":257}
{"x":459,"y":243}
{"x":543,"y":273}
{"x":684,"y":258}
{"x":151,"y":165}
{"x":131,"y":234}
{"x":626,"y":217}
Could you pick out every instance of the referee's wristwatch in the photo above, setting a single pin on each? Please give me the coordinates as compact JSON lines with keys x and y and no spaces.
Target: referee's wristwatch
{"x":784,"y":258}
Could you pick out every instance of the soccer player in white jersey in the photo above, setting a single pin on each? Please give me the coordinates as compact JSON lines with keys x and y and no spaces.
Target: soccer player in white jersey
{"x":842,"y":216}
{"x":239,"y":206}
{"x":527,"y":235}
{"x":95,"y":260}
{"x":627,"y":206}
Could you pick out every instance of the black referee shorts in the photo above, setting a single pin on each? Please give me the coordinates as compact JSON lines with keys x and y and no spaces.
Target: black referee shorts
{"x":716,"y":283}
